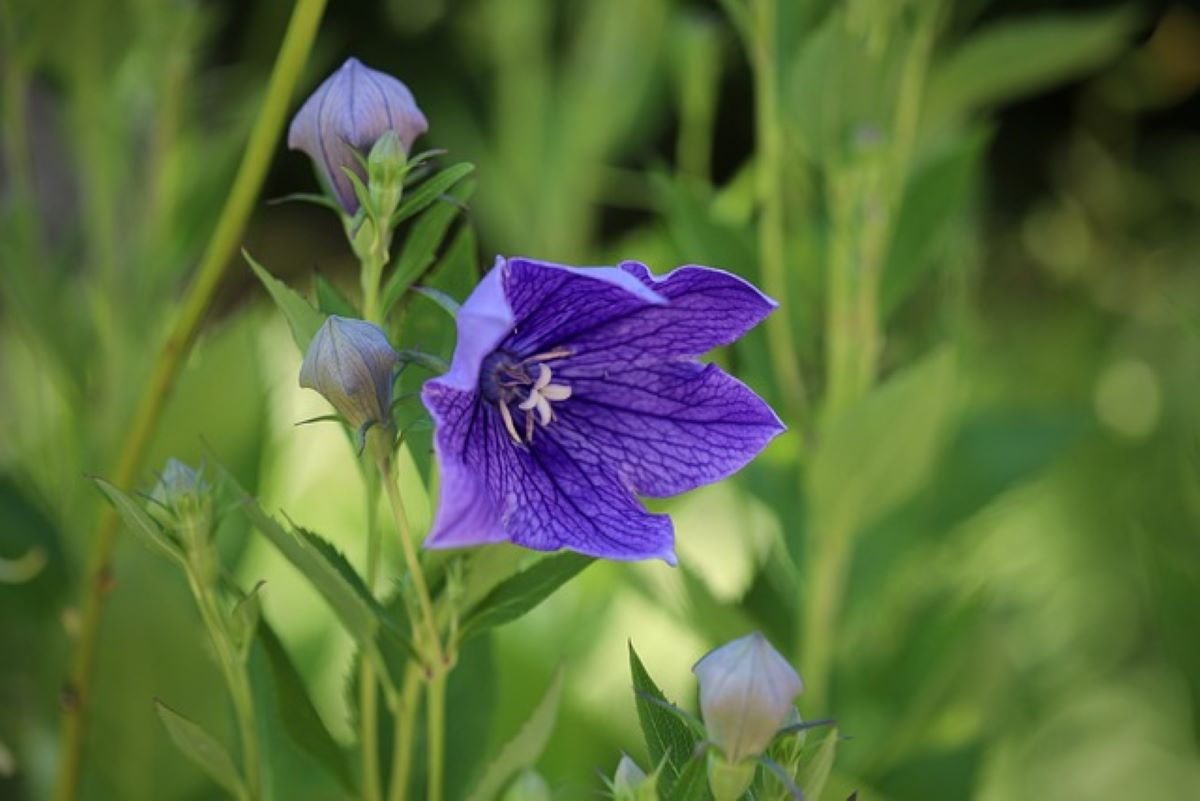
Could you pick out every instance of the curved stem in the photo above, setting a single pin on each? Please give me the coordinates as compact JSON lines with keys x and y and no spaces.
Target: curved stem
{"x":264,"y":136}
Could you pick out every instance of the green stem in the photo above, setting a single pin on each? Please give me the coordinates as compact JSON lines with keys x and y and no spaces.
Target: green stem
{"x":403,"y":737}
{"x":264,"y":136}
{"x":436,"y":732}
{"x":368,"y":690}
{"x":770,"y":169}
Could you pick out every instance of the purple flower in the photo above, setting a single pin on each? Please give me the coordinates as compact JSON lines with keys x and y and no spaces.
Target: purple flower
{"x":573,"y":390}
{"x":347,"y":114}
{"x":350,"y":362}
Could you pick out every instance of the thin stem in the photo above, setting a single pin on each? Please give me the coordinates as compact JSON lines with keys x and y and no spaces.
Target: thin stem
{"x":436,"y":733}
{"x":402,"y":740}
{"x":368,"y":691}
{"x":770,"y":168}
{"x":264,"y":136}
{"x":387,"y":473}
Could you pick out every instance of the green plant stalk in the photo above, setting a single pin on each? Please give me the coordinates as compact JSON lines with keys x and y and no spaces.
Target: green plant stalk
{"x":293,"y":53}
{"x":436,"y":732}
{"x":770,"y":168}
{"x":237,"y":681}
{"x":368,"y":691}
{"x":405,"y":717}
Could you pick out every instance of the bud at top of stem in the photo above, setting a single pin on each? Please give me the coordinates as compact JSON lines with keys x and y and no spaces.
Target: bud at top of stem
{"x":350,"y":362}
{"x":630,"y":782}
{"x":746,"y":693}
{"x":342,"y":121}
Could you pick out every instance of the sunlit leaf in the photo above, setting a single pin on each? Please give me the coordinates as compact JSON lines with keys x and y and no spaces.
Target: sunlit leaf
{"x":301,"y":317}
{"x":668,"y":739}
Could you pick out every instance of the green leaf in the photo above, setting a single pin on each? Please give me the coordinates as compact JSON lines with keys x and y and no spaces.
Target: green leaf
{"x":523,"y":750}
{"x":301,"y":317}
{"x":429,"y":191}
{"x":1013,"y":58}
{"x":444,"y":301}
{"x":815,"y":772}
{"x":421,"y":246}
{"x":520,"y":593}
{"x":330,"y":299}
{"x":140,"y":522}
{"x":306,"y":197}
{"x":692,"y":783}
{"x":300,"y":718}
{"x":879,"y":452}
{"x":201,"y":748}
{"x":668,"y":739}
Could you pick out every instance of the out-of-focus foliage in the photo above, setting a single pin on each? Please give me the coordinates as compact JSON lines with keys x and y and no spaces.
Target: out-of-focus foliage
{"x":979,"y":540}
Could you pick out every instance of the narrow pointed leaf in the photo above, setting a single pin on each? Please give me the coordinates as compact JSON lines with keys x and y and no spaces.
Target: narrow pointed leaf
{"x":814,"y":773}
{"x":301,"y":317}
{"x":202,"y":749}
{"x":139,"y":522}
{"x":521,"y":592}
{"x":429,"y":191}
{"x":668,"y":739}
{"x":523,"y":750}
{"x":692,"y":783}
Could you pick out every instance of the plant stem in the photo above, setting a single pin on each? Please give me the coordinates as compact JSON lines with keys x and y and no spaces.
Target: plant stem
{"x":403,"y":736}
{"x":435,"y":713}
{"x":368,"y":691}
{"x":770,"y":169}
{"x":264,"y":136}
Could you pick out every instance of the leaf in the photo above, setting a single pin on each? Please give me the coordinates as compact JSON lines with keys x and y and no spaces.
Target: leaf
{"x":815,"y":772}
{"x":420,"y":247}
{"x":444,"y":301}
{"x":668,"y":739}
{"x":880,"y":451}
{"x":330,"y":299}
{"x":692,"y":783}
{"x":523,"y":591}
{"x":1013,"y":58}
{"x":523,"y":750}
{"x":201,"y":748}
{"x":140,"y":522}
{"x":306,"y":197}
{"x":430,"y":190}
{"x":301,"y":317}
{"x":300,"y":718}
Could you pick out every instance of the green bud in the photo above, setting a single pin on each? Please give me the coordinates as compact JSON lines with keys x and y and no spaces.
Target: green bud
{"x":386,"y":165}
{"x":630,"y":782}
{"x":528,"y":786}
{"x":185,"y":507}
{"x":729,"y":781}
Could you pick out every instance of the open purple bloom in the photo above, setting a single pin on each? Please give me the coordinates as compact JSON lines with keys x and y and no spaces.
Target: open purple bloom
{"x":574,"y":389}
{"x":349,"y":112}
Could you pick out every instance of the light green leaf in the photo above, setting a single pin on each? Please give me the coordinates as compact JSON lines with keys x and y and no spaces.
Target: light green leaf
{"x":300,"y":718}
{"x":201,"y":748}
{"x":421,"y":246}
{"x":814,"y":773}
{"x":429,"y":191}
{"x":301,"y":317}
{"x":878,"y":452}
{"x":523,"y":591}
{"x":523,"y":750}
{"x":669,"y":740}
{"x":140,"y":523}
{"x":1013,"y":58}
{"x":330,"y":299}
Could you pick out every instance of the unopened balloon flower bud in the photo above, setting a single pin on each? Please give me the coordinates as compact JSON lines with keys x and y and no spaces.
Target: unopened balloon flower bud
{"x":343,"y":120}
{"x":746,"y":694}
{"x":184,"y":506}
{"x":350,"y":362}
{"x":528,"y":786}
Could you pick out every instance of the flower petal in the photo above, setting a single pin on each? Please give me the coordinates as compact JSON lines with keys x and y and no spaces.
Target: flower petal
{"x":543,"y":496}
{"x":483,"y":321}
{"x":665,"y":428}
{"x":705,"y":308}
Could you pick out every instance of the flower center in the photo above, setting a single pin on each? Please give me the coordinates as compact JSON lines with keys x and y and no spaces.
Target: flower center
{"x":505,"y":379}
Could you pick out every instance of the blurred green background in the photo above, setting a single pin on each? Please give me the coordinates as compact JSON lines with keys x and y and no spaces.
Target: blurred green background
{"x":980,"y":540}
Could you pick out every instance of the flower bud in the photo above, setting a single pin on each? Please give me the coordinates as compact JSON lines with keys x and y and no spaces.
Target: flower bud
{"x":341,"y":122}
{"x":350,"y":362}
{"x":185,"y":507}
{"x":385,"y":173}
{"x":630,"y":782}
{"x":528,"y":786}
{"x":746,"y":694}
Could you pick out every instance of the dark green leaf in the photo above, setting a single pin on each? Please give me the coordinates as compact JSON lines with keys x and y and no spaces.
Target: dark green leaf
{"x":692,"y":782}
{"x":330,"y":299}
{"x":306,"y":197}
{"x":668,"y":739}
{"x":300,"y":718}
{"x":201,"y":748}
{"x":429,"y":191}
{"x":301,"y":317}
{"x":520,"y":593}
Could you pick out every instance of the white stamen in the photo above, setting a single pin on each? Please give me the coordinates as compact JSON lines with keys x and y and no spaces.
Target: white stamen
{"x":506,"y":415}
{"x":541,"y":394}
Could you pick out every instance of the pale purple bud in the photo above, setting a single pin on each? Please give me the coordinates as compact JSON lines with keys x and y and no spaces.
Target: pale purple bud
{"x":746,"y":693}
{"x":350,"y":362}
{"x":630,"y":782}
{"x":344,"y":118}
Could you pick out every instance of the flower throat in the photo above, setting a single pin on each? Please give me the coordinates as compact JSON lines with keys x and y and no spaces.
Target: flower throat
{"x":505,"y":378}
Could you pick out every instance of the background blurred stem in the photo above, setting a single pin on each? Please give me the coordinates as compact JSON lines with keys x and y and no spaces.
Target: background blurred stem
{"x":293,"y":53}
{"x":368,"y":693}
{"x":770,"y":170}
{"x":405,"y":718}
